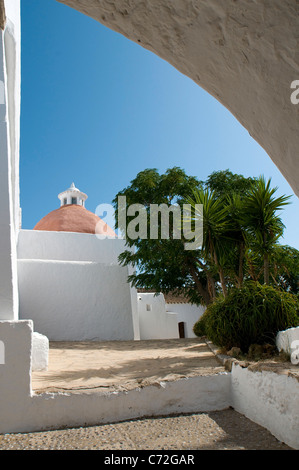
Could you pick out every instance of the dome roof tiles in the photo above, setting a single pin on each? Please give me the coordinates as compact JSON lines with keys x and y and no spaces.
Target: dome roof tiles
{"x":74,"y":218}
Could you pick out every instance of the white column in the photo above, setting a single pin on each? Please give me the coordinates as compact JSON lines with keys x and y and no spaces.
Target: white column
{"x":9,"y":160}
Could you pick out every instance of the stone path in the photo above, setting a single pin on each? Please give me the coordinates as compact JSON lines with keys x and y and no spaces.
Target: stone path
{"x":221,"y":430}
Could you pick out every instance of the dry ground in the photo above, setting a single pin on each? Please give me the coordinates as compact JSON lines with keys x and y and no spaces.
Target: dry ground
{"x":123,"y":365}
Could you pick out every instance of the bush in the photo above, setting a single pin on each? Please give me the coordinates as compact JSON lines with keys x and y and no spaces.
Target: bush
{"x":251,"y":315}
{"x":199,"y":328}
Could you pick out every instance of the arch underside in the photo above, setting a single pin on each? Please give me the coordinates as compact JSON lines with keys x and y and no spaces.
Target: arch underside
{"x":245,"y":54}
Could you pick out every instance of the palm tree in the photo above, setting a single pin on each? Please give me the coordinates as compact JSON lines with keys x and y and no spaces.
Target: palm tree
{"x":237,"y":236}
{"x":263,"y":226}
{"x":216,"y":225}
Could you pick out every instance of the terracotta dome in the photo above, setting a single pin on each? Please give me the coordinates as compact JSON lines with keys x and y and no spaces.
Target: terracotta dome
{"x":74,"y":218}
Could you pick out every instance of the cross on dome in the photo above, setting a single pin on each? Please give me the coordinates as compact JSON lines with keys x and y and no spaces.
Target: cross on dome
{"x":72,"y":195}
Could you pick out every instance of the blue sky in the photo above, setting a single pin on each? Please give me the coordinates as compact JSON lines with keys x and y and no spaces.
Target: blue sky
{"x":98,"y":108}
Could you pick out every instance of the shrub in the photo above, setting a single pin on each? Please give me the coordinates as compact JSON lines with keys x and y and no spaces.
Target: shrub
{"x":252,"y":314}
{"x":199,"y":328}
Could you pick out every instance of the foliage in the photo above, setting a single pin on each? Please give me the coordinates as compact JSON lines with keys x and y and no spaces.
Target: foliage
{"x":162,"y":265}
{"x":263,"y":226}
{"x":285,"y":268}
{"x":225,"y":183}
{"x":241,"y":230}
{"x":252,"y":314}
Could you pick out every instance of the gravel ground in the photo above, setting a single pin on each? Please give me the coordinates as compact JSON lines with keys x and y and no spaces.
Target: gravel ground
{"x":221,"y":430}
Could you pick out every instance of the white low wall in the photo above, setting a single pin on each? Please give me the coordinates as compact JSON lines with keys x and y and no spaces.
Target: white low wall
{"x":52,"y":411}
{"x":270,"y":400}
{"x":40,"y":352}
{"x":15,"y":372}
{"x":288,"y":341}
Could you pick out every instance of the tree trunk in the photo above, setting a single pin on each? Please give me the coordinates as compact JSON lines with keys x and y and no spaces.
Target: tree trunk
{"x":222,"y":281}
{"x":203,"y":292}
{"x":266,"y":262}
{"x":221,"y":275}
{"x":212,"y":288}
{"x":241,"y":264}
{"x":266,"y":269}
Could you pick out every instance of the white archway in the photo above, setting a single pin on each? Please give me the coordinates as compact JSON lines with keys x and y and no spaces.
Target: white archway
{"x":245,"y":54}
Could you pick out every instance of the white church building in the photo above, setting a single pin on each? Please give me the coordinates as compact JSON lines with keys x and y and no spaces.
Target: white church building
{"x":70,"y":282}
{"x":73,"y":288}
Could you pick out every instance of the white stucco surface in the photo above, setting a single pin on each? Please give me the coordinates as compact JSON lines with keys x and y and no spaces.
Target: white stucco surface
{"x":187,"y":313}
{"x":9,"y":159}
{"x":15,"y":373}
{"x":40,"y":352}
{"x":243,"y":53}
{"x":68,"y":246}
{"x":154,"y":321}
{"x":268,"y":399}
{"x":159,"y":320}
{"x":76,"y":301}
{"x":288,"y":341}
{"x":12,"y":40}
{"x":72,"y":287}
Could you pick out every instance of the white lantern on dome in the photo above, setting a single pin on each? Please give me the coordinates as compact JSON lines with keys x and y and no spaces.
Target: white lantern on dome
{"x":72,"y":195}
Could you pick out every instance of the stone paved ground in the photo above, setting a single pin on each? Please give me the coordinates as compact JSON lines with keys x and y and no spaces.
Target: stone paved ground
{"x":218,"y":430}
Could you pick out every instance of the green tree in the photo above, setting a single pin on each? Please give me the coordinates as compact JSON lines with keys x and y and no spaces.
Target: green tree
{"x":263,"y":225}
{"x":241,"y":229}
{"x":232,"y":188}
{"x":163,"y":265}
{"x":226,"y":184}
{"x":215,"y":228}
{"x":224,"y":239}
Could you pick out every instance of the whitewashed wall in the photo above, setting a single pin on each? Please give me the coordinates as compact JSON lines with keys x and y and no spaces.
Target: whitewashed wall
{"x":76,"y":291}
{"x":9,"y":159}
{"x":270,"y":400}
{"x":12,"y":43}
{"x":187,"y":313}
{"x":158,"y":320}
{"x":288,"y":341}
{"x":68,"y":246}
{"x":154,"y":321}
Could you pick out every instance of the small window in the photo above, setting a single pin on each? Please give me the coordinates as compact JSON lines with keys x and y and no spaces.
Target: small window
{"x":148,"y":307}
{"x":74,"y":200}
{"x":65,"y":201}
